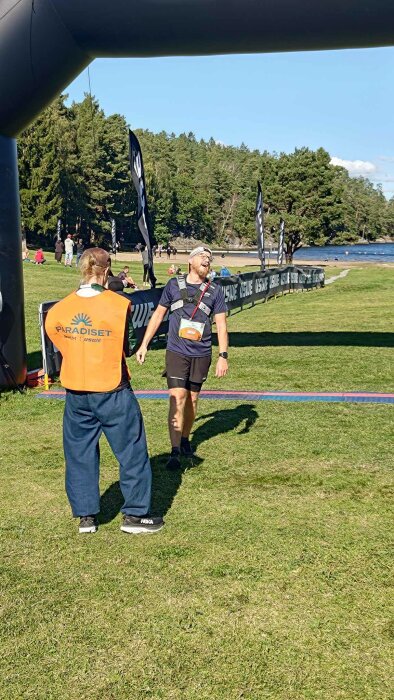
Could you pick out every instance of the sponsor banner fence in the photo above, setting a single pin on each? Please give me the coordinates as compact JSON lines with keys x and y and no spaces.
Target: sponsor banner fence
{"x":239,"y":291}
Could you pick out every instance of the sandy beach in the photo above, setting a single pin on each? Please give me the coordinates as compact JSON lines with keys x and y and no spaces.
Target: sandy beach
{"x":237,"y":262}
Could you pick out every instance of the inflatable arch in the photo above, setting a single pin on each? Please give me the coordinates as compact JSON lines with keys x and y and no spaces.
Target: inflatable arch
{"x":44,"y":44}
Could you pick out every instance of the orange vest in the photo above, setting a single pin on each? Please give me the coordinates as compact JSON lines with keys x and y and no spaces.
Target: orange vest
{"x":89,"y":332}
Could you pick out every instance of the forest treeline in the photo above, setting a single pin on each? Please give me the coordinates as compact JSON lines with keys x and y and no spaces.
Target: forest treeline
{"x":73,"y":165}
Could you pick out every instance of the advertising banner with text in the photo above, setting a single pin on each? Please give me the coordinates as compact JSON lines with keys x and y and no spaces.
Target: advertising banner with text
{"x":239,"y":291}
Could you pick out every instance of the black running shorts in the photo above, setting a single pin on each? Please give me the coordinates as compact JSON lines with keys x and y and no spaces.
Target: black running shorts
{"x":186,"y":372}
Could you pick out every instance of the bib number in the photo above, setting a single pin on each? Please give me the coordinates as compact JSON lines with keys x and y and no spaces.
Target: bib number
{"x":191,"y":330}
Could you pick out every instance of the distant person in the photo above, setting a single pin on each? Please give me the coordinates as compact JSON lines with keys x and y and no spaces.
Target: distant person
{"x":225,"y":272}
{"x":174,"y":252}
{"x":69,"y":249}
{"x":114,"y":284}
{"x":59,"y":249}
{"x":145,"y":264}
{"x":160,"y":249}
{"x":39,"y":257}
{"x":26,"y":255}
{"x":126,"y":279}
{"x":154,"y":250}
{"x":80,"y":249}
{"x":169,"y":252}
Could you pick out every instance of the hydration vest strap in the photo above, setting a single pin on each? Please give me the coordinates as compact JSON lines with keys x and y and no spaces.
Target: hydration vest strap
{"x":179,"y":304}
{"x":181,"y":279}
{"x":205,"y":308}
{"x":176,"y":305}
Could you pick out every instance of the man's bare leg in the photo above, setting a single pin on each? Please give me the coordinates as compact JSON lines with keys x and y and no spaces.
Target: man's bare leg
{"x":190,"y":413}
{"x":176,"y":414}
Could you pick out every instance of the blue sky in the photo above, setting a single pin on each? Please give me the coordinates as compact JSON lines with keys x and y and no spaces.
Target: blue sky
{"x":340,"y":100}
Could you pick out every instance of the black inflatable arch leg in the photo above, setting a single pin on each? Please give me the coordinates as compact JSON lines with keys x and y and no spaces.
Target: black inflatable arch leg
{"x":12,"y":323}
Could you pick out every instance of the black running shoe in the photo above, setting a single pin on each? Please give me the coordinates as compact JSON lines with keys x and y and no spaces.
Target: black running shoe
{"x":186,"y":448}
{"x":134,"y":525}
{"x":174,"y":462}
{"x":88,"y":523}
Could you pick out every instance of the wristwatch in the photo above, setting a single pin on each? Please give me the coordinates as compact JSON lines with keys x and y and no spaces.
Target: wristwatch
{"x":224,"y":355}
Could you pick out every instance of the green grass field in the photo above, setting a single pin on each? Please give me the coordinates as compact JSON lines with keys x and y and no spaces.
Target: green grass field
{"x":273,"y":575}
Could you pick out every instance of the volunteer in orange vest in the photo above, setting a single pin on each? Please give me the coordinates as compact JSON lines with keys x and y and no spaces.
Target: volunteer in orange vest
{"x":91,"y":329}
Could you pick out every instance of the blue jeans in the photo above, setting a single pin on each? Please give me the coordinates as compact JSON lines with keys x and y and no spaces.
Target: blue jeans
{"x":118,"y":416}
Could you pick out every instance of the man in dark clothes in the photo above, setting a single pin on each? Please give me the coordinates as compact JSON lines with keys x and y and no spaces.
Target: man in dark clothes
{"x":59,"y":249}
{"x":80,"y":249}
{"x":145,"y":262}
{"x":125,"y":277}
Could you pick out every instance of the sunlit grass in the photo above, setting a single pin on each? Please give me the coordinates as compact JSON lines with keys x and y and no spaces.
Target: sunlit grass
{"x":271,"y":578}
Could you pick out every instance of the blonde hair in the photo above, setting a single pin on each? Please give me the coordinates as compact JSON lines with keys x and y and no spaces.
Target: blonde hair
{"x":93,"y":263}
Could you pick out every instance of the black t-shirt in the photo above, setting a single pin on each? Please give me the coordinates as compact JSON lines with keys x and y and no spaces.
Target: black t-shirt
{"x":213,"y":298}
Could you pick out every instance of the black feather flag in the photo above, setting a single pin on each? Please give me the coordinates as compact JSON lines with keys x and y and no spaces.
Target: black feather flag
{"x":281,"y":242}
{"x":138,"y":176}
{"x":260,"y":226}
{"x":113,"y":235}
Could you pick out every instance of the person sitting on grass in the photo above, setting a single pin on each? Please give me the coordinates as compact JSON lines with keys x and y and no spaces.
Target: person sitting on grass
{"x":39,"y":257}
{"x":126,"y":279}
{"x":174,"y":270}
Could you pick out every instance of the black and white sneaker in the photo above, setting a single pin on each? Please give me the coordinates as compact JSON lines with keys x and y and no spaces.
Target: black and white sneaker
{"x":88,"y":523}
{"x":134,"y":525}
{"x":186,"y":448}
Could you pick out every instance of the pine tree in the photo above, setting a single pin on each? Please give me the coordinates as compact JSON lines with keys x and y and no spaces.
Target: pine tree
{"x":51,"y":178}
{"x":74,"y":164}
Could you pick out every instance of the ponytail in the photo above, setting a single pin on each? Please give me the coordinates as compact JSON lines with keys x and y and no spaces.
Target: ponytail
{"x":93,"y":263}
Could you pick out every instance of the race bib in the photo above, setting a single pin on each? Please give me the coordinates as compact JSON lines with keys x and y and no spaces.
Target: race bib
{"x":191,"y":330}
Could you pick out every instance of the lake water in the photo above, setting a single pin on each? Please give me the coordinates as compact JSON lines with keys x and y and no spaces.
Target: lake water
{"x":372,"y":252}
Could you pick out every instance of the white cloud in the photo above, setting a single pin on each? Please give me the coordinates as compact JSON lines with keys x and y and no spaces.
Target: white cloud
{"x":355,"y":167}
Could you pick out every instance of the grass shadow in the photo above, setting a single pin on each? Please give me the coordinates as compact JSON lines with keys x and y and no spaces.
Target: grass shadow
{"x":224,"y":421}
{"x":34,"y":359}
{"x":110,"y":503}
{"x":310,"y":339}
{"x":165,"y":485}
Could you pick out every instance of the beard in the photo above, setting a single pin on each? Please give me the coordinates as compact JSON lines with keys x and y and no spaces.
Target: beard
{"x":201,"y":270}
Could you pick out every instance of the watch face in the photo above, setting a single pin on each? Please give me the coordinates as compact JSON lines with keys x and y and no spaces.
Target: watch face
{"x":224,"y":355}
